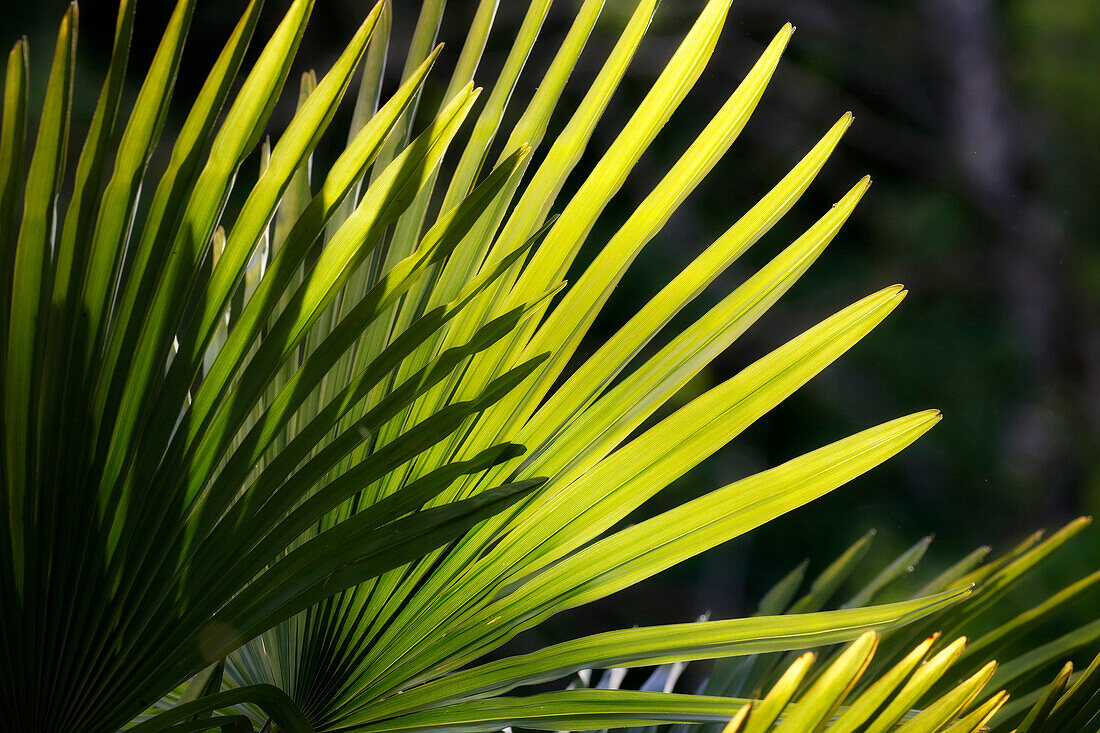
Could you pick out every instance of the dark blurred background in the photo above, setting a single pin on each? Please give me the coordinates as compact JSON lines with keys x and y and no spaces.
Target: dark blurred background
{"x":980,"y":123}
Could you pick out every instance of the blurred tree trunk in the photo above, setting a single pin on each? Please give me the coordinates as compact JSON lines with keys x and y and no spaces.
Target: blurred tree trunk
{"x":1028,"y":246}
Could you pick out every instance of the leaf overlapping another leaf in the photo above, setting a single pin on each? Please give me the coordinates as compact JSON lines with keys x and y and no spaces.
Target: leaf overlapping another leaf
{"x":325,"y":434}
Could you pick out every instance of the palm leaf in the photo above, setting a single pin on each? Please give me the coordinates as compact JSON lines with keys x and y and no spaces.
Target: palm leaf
{"x":832,"y":703}
{"x":293,"y":462}
{"x":120,"y":522}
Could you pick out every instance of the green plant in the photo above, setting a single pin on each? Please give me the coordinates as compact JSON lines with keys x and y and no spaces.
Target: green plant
{"x":326,"y":447}
{"x":835,"y":699}
{"x":917,"y":668}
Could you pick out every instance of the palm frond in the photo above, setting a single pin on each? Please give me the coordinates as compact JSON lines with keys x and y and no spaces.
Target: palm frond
{"x":292,"y":449}
{"x":147,"y":534}
{"x":832,"y":703}
{"x":934,"y":666}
